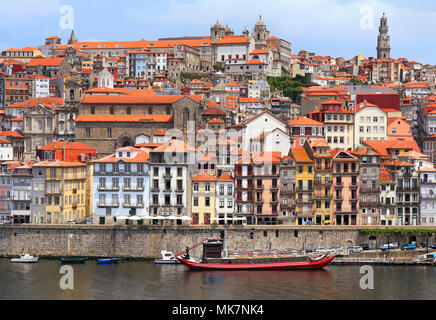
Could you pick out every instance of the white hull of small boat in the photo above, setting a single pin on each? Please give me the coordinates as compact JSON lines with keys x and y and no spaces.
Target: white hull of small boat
{"x":161,"y":261}
{"x":25,"y":259}
{"x":167,"y":258}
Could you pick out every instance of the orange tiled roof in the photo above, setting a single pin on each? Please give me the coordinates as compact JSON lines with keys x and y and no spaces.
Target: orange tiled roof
{"x":204,"y":177}
{"x":259,"y":51}
{"x":67,"y":145}
{"x":304,"y":121}
{"x":232,"y":39}
{"x":46,"y":62}
{"x":10,"y":134}
{"x":255,"y":62}
{"x":141,"y":156}
{"x":382,"y":146}
{"x":135,"y":99}
{"x":300,"y":155}
{"x":396,"y":163}
{"x":48,"y":102}
{"x":174,"y":146}
{"x":215,"y":120}
{"x":123,"y":118}
{"x":384,"y":176}
{"x":213,"y":111}
{"x":225,"y":177}
{"x":60,"y":164}
{"x":249,"y":100}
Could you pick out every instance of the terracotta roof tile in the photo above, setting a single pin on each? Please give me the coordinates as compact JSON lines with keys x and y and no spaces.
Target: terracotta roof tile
{"x":123,"y":118}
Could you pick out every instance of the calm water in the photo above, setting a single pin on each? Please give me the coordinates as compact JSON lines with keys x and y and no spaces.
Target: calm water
{"x":143,"y":280}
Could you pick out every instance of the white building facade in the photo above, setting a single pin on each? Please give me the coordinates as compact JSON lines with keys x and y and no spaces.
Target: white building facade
{"x":428,"y":196}
{"x":121,"y":186}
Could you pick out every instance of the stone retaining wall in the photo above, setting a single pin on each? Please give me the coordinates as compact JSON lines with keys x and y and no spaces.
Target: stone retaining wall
{"x":148,"y":241}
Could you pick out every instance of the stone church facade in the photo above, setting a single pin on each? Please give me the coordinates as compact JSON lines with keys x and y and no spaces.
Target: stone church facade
{"x":112,"y":121}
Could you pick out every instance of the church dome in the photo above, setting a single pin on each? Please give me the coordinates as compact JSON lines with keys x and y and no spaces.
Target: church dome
{"x":217,"y":25}
{"x":260,"y":22}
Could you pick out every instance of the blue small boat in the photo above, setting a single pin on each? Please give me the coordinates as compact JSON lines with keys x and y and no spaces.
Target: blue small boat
{"x":108,"y":261}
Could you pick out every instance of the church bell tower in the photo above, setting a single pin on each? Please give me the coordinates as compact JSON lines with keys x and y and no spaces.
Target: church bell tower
{"x":383,"y":41}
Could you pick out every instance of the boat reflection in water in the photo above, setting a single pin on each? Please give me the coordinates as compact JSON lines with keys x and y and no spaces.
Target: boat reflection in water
{"x":212,"y":260}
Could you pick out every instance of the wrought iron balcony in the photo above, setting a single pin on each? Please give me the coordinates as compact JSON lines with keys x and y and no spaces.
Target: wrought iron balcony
{"x":108,"y":204}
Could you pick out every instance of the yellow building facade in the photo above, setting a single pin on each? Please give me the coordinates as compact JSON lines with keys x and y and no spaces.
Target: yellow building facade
{"x":304,"y":182}
{"x":203,"y":199}
{"x":66,"y":185}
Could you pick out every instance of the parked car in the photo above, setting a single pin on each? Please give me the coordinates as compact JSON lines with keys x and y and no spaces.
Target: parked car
{"x":71,"y":222}
{"x":423,"y":245}
{"x":337,"y":249}
{"x":309,"y":250}
{"x":322,"y":250}
{"x":433,"y":246}
{"x":410,"y":246}
{"x":365,"y":246}
{"x":389,"y":246}
{"x":355,"y":249}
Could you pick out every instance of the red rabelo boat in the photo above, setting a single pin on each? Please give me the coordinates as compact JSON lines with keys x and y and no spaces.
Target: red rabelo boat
{"x":213,"y":260}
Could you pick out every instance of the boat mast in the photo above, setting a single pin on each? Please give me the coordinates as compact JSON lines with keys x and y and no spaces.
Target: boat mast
{"x":194,"y":246}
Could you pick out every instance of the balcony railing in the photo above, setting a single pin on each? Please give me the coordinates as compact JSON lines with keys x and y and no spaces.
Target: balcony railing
{"x":132,"y":187}
{"x":302,"y":189}
{"x":408,"y":188}
{"x":133,"y":204}
{"x":369,"y":203}
{"x":52,"y":191}
{"x":305,"y":200}
{"x":370,"y":189}
{"x":428,"y":196}
{"x":107,"y":187}
{"x":108,"y":204}
{"x":179,"y":189}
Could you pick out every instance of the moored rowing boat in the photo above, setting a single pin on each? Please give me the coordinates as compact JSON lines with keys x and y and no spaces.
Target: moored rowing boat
{"x":108,"y":261}
{"x":73,"y":260}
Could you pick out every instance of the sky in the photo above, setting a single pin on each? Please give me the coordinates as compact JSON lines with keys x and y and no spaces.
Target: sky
{"x":337,"y":28}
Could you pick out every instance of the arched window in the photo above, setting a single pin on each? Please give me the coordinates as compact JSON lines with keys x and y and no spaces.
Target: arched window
{"x":185,"y":118}
{"x":72,"y":94}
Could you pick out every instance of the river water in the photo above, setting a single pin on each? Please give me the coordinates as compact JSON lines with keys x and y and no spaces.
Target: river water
{"x":133,"y":280}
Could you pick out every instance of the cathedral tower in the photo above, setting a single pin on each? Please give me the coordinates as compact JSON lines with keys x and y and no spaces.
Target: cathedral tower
{"x":72,"y":39}
{"x":260,"y":34}
{"x":217,"y":31}
{"x":384,"y":41}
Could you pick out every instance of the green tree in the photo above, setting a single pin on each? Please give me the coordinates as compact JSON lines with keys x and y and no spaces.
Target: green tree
{"x":218,"y":66}
{"x":356,"y":81}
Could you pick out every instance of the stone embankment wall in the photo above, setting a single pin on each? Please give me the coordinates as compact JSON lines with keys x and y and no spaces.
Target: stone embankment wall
{"x":147,"y":241}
